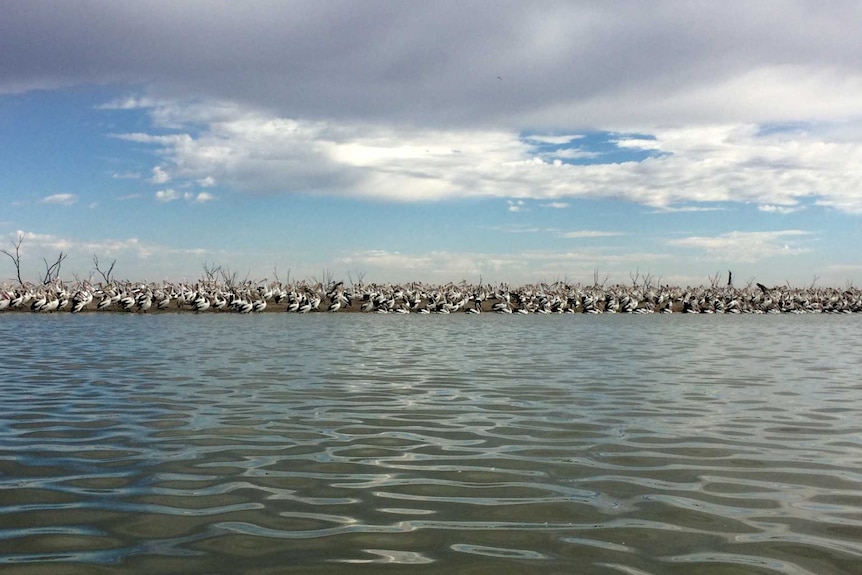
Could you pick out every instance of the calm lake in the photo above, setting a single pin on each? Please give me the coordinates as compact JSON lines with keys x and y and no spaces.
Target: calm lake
{"x":327,"y":443}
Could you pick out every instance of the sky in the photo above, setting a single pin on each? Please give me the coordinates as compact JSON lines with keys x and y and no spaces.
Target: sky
{"x":491,"y":141}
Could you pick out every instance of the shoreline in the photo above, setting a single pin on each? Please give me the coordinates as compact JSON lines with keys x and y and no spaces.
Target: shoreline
{"x":303,"y":297}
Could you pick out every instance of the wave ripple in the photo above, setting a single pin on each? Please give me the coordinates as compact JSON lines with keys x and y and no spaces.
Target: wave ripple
{"x":600,"y":445}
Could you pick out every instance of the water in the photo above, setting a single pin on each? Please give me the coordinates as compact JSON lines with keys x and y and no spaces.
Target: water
{"x":458,"y":444}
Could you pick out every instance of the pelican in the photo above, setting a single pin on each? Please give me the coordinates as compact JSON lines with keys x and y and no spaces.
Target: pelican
{"x":81,"y":300}
{"x":163,"y":301}
{"x":305,"y":307}
{"x":39,"y":302}
{"x":105,"y":302}
{"x":144,"y":301}
{"x":200,"y":303}
{"x":127,"y":303}
{"x":52,"y":305}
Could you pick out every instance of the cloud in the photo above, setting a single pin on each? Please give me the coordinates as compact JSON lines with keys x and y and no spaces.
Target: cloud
{"x":516,"y":205}
{"x":513,"y":266}
{"x":686,"y":209}
{"x":254,"y":151}
{"x":160,"y":176}
{"x":522,"y":229}
{"x":553,"y":140}
{"x":32,"y":239}
{"x":556,"y":205}
{"x":126,"y":176}
{"x":170,"y":195}
{"x":133,"y":255}
{"x":60,"y":199}
{"x":589,"y":234}
{"x":747,"y":247}
{"x":562,"y":63}
{"x":638,"y":143}
{"x":771,"y":209}
{"x":203,"y":197}
{"x":167,"y":195}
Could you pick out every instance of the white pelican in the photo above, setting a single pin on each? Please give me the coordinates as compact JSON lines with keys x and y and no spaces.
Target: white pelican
{"x":201,"y":303}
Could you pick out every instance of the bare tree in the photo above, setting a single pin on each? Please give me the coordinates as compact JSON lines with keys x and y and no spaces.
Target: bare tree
{"x":328,"y":279}
{"x":106,"y":275}
{"x":360,"y":277}
{"x":228,"y":277}
{"x":210,"y":271}
{"x":52,"y":271}
{"x":596,"y":279}
{"x":16,"y":259}
{"x":648,"y":280}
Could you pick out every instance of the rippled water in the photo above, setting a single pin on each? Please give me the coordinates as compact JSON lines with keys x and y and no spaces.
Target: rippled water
{"x":458,"y":444}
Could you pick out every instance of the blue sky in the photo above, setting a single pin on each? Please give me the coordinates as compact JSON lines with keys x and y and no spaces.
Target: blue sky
{"x":413,"y":142}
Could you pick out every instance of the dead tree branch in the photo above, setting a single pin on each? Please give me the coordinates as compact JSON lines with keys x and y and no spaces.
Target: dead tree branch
{"x":52,"y":271}
{"x":16,"y":259}
{"x":106,"y":275}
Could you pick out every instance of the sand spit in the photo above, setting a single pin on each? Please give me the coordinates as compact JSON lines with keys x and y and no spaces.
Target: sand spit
{"x":305,"y":297}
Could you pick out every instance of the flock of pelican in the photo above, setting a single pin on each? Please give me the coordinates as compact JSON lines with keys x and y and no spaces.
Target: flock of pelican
{"x":305,"y":297}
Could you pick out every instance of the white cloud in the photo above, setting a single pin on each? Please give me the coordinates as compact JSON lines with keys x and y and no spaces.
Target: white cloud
{"x":553,"y":140}
{"x":204,"y":197}
{"x":160,"y":176}
{"x":589,"y":234}
{"x":135,"y":257}
{"x":522,"y":229}
{"x":170,"y":195}
{"x":514,"y":266}
{"x":686,"y":209}
{"x":167,"y":195}
{"x":60,"y":199}
{"x":638,"y":143}
{"x":572,"y":154}
{"x":772,"y":209}
{"x":260,"y":153}
{"x":126,"y":176}
{"x":556,"y":205}
{"x":747,"y":247}
{"x":516,"y":205}
{"x":126,"y":103}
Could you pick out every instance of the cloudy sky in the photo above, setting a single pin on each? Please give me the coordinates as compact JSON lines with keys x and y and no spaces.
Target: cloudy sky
{"x":435,"y":141}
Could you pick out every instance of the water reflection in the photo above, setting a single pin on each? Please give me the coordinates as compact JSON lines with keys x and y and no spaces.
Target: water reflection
{"x":602,"y":444}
